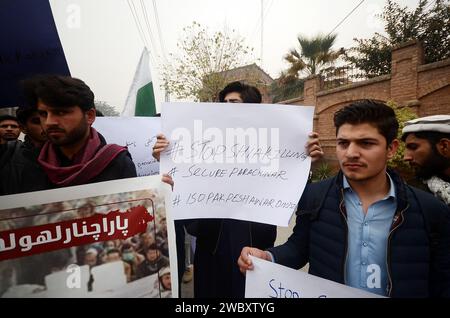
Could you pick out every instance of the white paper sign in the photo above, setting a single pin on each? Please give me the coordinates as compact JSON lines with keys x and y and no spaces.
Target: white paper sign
{"x":239,"y":161}
{"x":138,"y":134}
{"x":271,"y":280}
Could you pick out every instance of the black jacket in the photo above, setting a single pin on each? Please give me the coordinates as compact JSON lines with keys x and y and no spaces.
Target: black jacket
{"x":418,"y":251}
{"x":20,"y":172}
{"x":218,"y":246}
{"x":208,"y":233}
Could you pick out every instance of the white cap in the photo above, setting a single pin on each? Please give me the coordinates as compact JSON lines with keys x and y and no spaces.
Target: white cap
{"x":92,"y":250}
{"x":163,"y":271}
{"x":437,"y":123}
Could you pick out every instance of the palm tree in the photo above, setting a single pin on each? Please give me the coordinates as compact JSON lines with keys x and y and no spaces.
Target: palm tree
{"x":314,"y":55}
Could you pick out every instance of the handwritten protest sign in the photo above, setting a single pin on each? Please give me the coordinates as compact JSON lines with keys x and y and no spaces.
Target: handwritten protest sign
{"x":138,"y":134}
{"x":239,"y":161}
{"x":108,"y":239}
{"x":270,"y":280}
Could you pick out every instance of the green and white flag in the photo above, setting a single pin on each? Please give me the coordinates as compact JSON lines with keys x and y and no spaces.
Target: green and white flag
{"x":141,"y":98}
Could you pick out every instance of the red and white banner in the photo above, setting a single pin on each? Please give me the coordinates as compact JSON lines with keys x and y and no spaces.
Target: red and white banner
{"x":56,"y":236}
{"x":109,"y":239}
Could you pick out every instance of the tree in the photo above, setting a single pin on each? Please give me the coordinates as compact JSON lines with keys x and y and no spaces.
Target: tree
{"x":198,"y":71}
{"x":105,"y":108}
{"x":315,"y":54}
{"x":286,"y":87}
{"x":403,"y":114}
{"x":431,"y":26}
{"x":322,"y":172}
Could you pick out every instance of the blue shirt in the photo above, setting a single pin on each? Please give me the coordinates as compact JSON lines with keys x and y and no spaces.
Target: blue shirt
{"x":366,"y":265}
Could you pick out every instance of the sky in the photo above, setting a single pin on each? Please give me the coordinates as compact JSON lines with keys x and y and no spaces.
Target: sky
{"x":102,"y":44}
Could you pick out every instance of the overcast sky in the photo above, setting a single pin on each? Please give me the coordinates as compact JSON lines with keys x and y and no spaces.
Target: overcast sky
{"x":102,"y":43}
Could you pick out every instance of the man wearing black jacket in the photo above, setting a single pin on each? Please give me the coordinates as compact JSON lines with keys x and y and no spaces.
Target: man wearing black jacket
{"x":365,"y":227}
{"x":75,"y":153}
{"x":219,"y":241}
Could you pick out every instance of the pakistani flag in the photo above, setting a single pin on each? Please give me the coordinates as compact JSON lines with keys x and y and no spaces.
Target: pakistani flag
{"x":141,"y":98}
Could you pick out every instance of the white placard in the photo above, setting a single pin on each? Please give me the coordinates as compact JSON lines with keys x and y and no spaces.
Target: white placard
{"x":138,"y":134}
{"x":239,"y":161}
{"x":271,"y":280}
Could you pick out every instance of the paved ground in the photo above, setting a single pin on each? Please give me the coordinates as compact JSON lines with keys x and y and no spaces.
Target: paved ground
{"x":187,"y":289}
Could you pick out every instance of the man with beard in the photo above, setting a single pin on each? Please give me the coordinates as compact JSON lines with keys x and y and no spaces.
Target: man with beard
{"x":9,"y":129}
{"x":365,"y":227}
{"x":75,"y":153}
{"x":16,"y":157}
{"x":427,"y":142}
{"x":30,"y":124}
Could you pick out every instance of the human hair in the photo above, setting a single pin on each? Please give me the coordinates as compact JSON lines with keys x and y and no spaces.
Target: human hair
{"x":8,"y":117}
{"x":126,"y":246}
{"x":151,"y":247}
{"x":113,"y":251}
{"x":370,"y":112}
{"x":249,"y":94}
{"x":23,"y":113}
{"x":58,"y":91}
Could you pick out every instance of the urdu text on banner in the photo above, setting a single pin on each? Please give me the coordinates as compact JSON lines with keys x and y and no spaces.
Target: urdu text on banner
{"x":107,"y":239}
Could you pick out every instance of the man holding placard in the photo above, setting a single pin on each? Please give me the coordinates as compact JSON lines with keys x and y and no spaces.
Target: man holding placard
{"x":219,"y":241}
{"x":365,"y":227}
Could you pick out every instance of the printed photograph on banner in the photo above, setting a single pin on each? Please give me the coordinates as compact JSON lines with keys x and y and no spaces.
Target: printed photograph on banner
{"x":113,"y":245}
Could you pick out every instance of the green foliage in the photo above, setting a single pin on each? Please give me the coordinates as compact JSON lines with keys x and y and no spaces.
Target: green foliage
{"x":198,"y":71}
{"x":285,"y":88}
{"x":403,"y":114}
{"x":314,"y":54}
{"x":322,"y":172}
{"x":106,"y":109}
{"x":372,"y":56}
{"x":337,"y":76}
{"x":429,"y":23}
